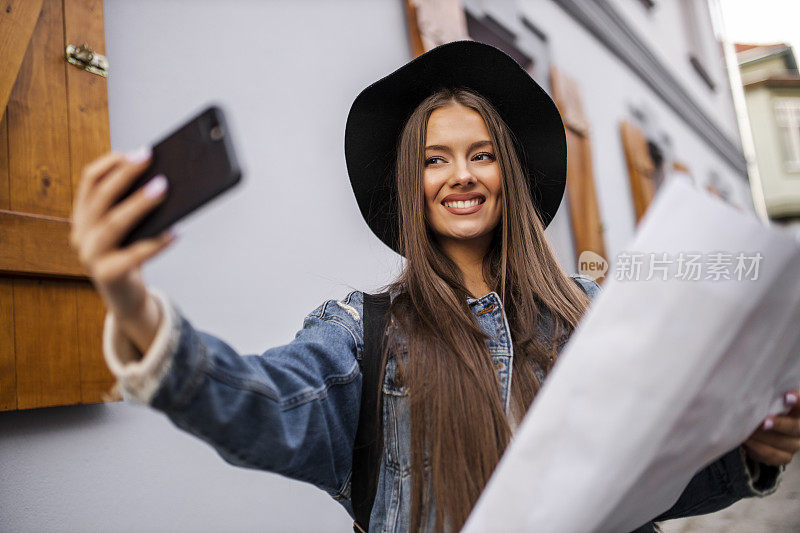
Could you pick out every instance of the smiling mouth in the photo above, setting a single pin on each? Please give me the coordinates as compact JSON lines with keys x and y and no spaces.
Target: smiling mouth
{"x":464,"y":206}
{"x":464,"y":203}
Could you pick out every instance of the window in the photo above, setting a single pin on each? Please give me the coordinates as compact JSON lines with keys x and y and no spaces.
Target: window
{"x":696,"y":21}
{"x":519,"y":37}
{"x":489,"y":30}
{"x":787,"y":117}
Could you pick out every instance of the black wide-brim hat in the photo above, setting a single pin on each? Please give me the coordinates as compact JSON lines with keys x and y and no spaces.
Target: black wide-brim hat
{"x":379,"y":113}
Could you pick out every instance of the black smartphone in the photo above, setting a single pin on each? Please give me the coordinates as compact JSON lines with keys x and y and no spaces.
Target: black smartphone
{"x":199,"y":163}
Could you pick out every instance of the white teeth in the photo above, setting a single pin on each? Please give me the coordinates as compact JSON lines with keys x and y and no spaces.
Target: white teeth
{"x":462,"y":204}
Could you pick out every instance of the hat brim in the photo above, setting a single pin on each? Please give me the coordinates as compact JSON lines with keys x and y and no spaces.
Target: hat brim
{"x":378,"y":114}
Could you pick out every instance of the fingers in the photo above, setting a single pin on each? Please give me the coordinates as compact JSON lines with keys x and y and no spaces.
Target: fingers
{"x":94,"y":171}
{"x":91,"y":174}
{"x":764,"y":453}
{"x":115,"y":224}
{"x":777,"y":440}
{"x":783,"y":424}
{"x":116,"y":181}
{"x":98,"y":225}
{"x":792,"y":398}
{"x":91,"y":198}
{"x":116,"y":264}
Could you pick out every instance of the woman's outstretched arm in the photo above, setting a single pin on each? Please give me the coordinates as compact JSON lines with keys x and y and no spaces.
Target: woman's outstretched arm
{"x":291,"y":410}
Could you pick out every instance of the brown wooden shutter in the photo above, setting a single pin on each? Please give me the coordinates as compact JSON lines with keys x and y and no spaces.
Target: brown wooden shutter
{"x":55,"y":120}
{"x":640,"y":167}
{"x":434,"y":22}
{"x":587,"y":227}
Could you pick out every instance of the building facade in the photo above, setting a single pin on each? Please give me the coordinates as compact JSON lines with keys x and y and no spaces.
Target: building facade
{"x":772,"y":94}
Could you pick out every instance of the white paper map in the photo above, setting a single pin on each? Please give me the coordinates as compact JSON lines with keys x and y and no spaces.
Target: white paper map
{"x":662,"y":376}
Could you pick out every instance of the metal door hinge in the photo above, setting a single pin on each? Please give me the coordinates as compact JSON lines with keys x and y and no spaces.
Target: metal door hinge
{"x":84,"y":57}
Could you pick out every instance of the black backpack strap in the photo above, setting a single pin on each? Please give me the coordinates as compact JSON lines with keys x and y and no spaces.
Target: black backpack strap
{"x":369,"y":435}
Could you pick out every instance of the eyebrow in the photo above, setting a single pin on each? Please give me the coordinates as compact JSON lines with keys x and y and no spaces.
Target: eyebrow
{"x":473,"y":146}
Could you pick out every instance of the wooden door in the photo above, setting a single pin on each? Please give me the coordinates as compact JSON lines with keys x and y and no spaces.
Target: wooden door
{"x":587,"y":226}
{"x":55,"y":120}
{"x":641,"y":169}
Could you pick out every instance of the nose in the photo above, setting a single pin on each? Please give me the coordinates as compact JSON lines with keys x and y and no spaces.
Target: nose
{"x":462,"y":177}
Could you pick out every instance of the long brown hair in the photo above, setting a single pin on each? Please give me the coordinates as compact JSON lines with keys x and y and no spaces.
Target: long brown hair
{"x":457,"y":413}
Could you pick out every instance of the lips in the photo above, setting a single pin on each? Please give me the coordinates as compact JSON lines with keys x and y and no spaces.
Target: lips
{"x":462,"y":196}
{"x":463,"y":203}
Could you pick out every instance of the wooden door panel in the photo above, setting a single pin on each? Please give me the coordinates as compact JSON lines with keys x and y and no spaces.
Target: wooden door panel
{"x":56,"y":121}
{"x":96,"y":380}
{"x":38,"y":133}
{"x":8,"y":366}
{"x":19,"y":20}
{"x":46,"y":340}
{"x":37,"y":245}
{"x":5,"y":201}
{"x":87,"y":96}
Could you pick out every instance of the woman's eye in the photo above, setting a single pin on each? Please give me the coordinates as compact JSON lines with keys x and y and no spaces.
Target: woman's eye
{"x":484,"y":156}
{"x":433,"y":161}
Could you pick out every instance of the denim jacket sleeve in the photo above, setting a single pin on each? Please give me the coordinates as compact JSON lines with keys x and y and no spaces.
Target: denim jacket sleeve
{"x":292,"y":410}
{"x":723,"y":482}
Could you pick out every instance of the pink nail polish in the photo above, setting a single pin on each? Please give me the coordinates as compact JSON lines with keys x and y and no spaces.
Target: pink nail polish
{"x":768,"y":424}
{"x":140,"y":155}
{"x":156,"y":186}
{"x":791,"y":398}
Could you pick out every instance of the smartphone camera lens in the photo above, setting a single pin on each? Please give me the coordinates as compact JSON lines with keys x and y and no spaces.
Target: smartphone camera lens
{"x":216,"y":133}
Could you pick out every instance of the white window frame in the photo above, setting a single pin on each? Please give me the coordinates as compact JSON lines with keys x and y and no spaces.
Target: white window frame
{"x":787,"y":118}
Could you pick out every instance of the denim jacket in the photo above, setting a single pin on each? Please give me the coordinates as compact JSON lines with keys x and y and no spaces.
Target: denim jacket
{"x":294,"y":408}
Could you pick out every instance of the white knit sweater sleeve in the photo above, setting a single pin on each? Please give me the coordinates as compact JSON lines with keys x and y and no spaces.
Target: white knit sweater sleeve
{"x":139,"y":376}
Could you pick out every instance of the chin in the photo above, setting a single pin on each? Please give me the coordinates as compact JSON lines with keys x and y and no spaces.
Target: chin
{"x":463,"y":230}
{"x":466,"y":234}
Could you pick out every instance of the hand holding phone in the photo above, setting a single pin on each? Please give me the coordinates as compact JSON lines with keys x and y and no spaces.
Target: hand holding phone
{"x":198,"y":162}
{"x":124,"y":202}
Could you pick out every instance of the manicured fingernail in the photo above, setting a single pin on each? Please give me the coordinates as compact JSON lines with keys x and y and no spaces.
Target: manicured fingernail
{"x":791,"y":398}
{"x":156,"y":186}
{"x":140,"y":155}
{"x":768,"y":423}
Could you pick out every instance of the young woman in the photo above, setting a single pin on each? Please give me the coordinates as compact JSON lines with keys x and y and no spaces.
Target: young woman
{"x":457,"y":161}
